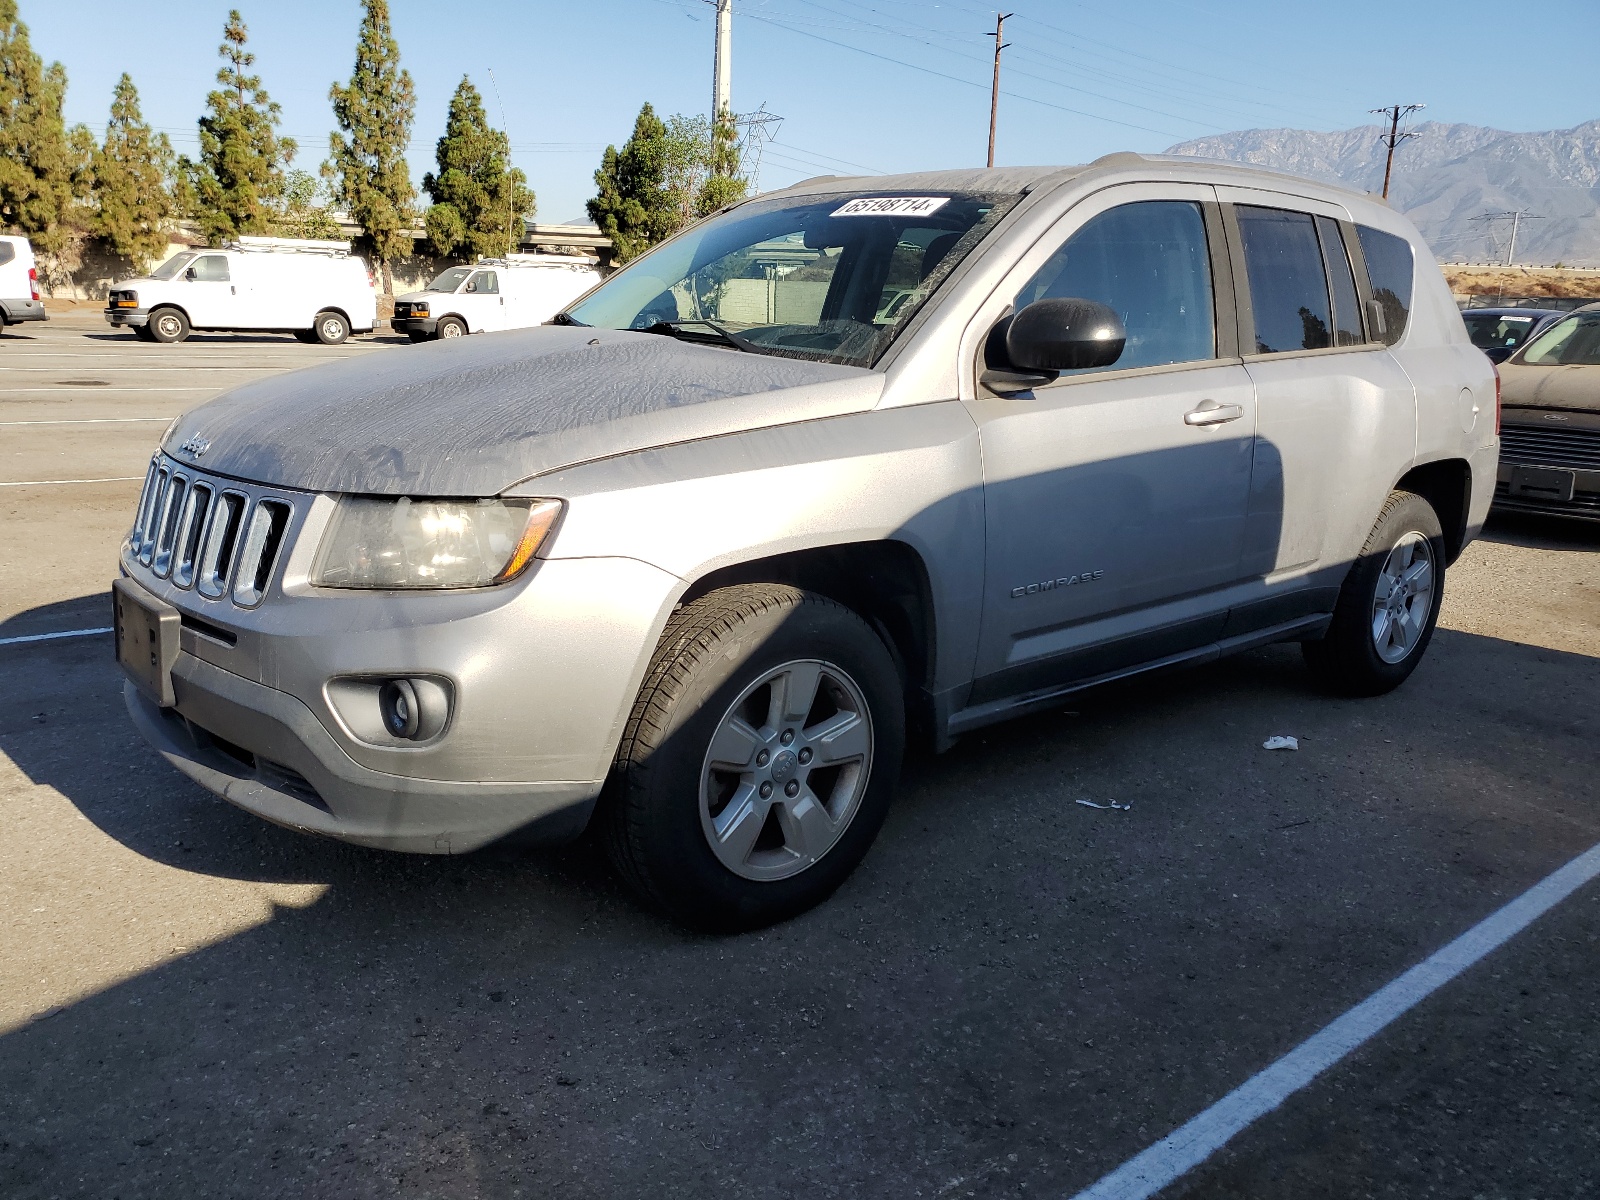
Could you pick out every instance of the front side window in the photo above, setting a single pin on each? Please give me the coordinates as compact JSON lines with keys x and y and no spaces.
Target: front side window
{"x":1490,"y":331}
{"x":210,"y":268}
{"x":1288,"y":284}
{"x":1150,"y":263}
{"x":831,"y":278}
{"x":449,"y":281}
{"x":484,"y":283}
{"x":1389,"y":268}
{"x":1571,"y":342}
{"x":174,"y":266}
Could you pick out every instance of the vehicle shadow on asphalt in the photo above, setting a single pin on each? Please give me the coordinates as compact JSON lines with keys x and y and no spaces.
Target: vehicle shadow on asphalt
{"x":1542,"y":533}
{"x":1013,"y":989}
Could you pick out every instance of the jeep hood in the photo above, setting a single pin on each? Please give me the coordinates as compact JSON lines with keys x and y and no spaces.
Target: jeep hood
{"x":474,"y":416}
{"x":1571,"y":387}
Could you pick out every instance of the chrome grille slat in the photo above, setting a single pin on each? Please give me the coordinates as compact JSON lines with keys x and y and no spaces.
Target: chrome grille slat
{"x":187,"y":543}
{"x":218,"y":546}
{"x":167,"y":524}
{"x":268,"y":521}
{"x":147,"y":541}
{"x":1575,"y":448}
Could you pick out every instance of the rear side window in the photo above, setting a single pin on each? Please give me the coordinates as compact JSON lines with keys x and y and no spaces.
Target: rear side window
{"x":1342,"y":283}
{"x":210,"y":268}
{"x":7,"y":253}
{"x":1150,"y":263}
{"x":1288,"y":287}
{"x":1389,"y":267}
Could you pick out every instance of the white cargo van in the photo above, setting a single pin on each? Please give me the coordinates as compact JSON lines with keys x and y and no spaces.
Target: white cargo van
{"x":19,"y":283}
{"x":316,"y":290}
{"x":496,"y":293}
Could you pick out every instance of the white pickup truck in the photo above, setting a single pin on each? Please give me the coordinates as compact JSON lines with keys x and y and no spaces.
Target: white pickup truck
{"x":316,"y":290}
{"x":495,"y":293}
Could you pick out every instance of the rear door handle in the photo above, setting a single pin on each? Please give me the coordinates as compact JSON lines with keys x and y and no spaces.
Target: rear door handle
{"x":1210,"y":412}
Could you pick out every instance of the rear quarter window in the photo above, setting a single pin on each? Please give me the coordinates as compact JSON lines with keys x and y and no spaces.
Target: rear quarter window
{"x":1390,"y":269}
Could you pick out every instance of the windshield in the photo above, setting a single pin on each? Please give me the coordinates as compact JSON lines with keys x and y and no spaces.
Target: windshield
{"x":832,"y":278}
{"x":174,"y":266}
{"x":449,"y":281}
{"x":1489,"y":331}
{"x":1574,"y":341}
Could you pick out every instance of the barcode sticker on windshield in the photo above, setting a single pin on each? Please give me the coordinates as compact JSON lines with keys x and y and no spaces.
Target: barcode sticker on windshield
{"x":892,"y":206}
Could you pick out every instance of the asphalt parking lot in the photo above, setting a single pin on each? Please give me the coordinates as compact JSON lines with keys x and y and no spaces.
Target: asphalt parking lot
{"x":1015,"y":994}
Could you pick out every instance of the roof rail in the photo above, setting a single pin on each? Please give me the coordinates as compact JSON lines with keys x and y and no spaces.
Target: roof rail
{"x":538,"y":260}
{"x":277,"y":245}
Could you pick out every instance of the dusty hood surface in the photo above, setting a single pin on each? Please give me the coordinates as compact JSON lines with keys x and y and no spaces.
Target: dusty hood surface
{"x":1550,"y":387}
{"x":474,"y":416}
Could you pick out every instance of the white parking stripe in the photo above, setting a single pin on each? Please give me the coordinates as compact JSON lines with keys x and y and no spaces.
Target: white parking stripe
{"x":1188,"y":1147}
{"x":91,"y":421}
{"x":50,"y":637}
{"x":105,"y":391}
{"x":133,"y":370}
{"x":53,"y":482}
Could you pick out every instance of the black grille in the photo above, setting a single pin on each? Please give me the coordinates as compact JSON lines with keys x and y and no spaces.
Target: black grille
{"x":287,"y":780}
{"x":1550,"y":446}
{"x":1582,"y":504}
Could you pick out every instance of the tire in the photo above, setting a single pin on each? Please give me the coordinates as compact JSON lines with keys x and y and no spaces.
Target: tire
{"x":168,"y":325}
{"x":1389,"y":603}
{"x":330,"y":328}
{"x":813,"y":790}
{"x":450,"y":327}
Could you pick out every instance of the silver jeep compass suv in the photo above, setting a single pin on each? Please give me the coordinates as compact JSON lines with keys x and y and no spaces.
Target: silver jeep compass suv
{"x":929,"y":450}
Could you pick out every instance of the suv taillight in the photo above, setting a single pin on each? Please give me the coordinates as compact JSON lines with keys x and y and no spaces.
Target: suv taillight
{"x":1496,"y":401}
{"x":33,"y":281}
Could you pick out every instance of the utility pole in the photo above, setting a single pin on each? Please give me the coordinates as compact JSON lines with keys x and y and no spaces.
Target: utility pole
{"x":994,"y":91}
{"x":511,"y":179}
{"x":722,"y":82}
{"x":1396,"y":113}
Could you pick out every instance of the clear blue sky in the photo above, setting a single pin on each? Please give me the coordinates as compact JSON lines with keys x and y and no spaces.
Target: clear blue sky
{"x":883,"y":84}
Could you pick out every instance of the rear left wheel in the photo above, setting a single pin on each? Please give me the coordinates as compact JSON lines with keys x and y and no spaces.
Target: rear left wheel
{"x":760,"y":758}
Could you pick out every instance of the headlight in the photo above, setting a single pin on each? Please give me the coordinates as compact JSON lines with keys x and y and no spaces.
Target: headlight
{"x":376,"y":542}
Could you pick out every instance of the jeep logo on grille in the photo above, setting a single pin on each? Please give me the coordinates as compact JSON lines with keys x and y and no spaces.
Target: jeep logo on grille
{"x":194,"y":447}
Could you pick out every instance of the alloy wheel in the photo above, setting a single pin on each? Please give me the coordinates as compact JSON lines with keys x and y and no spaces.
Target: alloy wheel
{"x":786,"y":770}
{"x":1403,"y":598}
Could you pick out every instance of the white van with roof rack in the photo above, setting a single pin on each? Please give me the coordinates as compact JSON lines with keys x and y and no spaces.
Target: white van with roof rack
{"x":316,"y":290}
{"x":19,"y":283}
{"x":514,"y":292}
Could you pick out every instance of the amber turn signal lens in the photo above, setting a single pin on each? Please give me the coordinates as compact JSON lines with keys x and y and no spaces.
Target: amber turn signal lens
{"x":541,"y":518}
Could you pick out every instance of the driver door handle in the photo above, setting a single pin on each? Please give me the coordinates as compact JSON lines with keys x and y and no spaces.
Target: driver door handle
{"x":1209,"y":412}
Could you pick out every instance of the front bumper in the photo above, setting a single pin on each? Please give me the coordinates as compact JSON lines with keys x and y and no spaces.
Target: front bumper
{"x":118,"y":317}
{"x":18,"y":311}
{"x":542,"y":674}
{"x":423,"y":325}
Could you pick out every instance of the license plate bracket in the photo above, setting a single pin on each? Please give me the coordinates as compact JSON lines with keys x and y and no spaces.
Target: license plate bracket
{"x":147,"y":639}
{"x":1541,"y":483}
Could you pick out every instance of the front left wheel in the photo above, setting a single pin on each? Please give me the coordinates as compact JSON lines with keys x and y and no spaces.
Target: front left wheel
{"x":759,"y":760}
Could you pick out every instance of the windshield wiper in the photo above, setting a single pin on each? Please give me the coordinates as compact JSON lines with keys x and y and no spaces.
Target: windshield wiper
{"x":718,"y":334}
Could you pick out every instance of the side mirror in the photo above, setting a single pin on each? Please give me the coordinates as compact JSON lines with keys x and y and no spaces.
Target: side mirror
{"x":190,"y":275}
{"x":1065,"y":335}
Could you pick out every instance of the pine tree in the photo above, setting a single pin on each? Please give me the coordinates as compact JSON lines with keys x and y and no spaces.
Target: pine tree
{"x":723,"y":184}
{"x":239,"y":177}
{"x":42,"y":170}
{"x":634,"y":206}
{"x":479,"y":198}
{"x":133,"y":204}
{"x":368,"y":159}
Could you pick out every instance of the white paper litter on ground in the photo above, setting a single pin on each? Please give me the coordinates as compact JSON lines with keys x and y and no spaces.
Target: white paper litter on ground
{"x":1281,"y":742}
{"x":1112,"y":804}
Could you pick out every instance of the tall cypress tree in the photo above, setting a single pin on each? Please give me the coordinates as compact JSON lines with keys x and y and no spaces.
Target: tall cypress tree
{"x":633,"y":206}
{"x":40,"y":167}
{"x":239,"y":177}
{"x":132,"y":201}
{"x":479,"y":198}
{"x":367,"y":161}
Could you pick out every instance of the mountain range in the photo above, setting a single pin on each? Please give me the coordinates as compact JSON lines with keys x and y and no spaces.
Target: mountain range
{"x":1449,"y":174}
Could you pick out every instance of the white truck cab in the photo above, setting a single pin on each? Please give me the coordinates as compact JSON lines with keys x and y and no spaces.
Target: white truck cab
{"x":19,"y":283}
{"x":495,"y":293}
{"x":316,"y":290}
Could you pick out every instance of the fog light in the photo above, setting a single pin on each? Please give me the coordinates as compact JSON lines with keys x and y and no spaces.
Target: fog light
{"x":413,"y":710}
